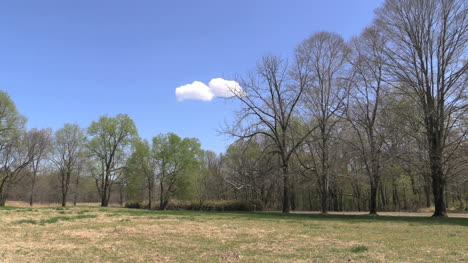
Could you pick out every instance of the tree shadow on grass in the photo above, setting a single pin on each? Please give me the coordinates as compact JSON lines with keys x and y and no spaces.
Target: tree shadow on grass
{"x":362,"y":218}
{"x":280,"y":216}
{"x":321,"y":217}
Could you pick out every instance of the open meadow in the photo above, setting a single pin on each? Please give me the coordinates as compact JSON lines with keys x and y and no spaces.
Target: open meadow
{"x":234,"y":131}
{"x":95,"y":234}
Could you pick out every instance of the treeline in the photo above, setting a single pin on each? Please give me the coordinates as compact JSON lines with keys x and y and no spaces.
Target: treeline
{"x":378,"y":123}
{"x":105,"y":162}
{"x":108,"y":162}
{"x":375,"y":123}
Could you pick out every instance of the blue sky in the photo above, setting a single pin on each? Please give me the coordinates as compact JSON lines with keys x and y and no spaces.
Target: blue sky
{"x":72,"y":61}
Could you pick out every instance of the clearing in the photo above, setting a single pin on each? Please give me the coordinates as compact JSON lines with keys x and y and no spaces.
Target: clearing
{"x":95,"y":234}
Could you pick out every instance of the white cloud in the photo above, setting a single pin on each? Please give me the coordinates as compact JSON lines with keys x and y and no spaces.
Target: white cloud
{"x":224,"y":88}
{"x":217,"y":87}
{"x":195,"y":91}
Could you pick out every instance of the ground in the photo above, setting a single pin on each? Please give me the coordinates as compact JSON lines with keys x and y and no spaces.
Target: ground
{"x":94,"y":234}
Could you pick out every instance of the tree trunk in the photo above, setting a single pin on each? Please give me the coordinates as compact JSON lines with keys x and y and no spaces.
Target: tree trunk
{"x":373,"y":196}
{"x":106,"y":189}
{"x":286,"y":194}
{"x":77,"y":182}
{"x":342,"y":203}
{"x":161,"y":195}
{"x":382,"y":197}
{"x":438,"y":191}
{"x":104,"y":202}
{"x":104,"y":199}
{"x":293,"y":195}
{"x":121,"y":194}
{"x":2,"y":199}
{"x":447,"y":198}
{"x":405,"y":201}
{"x":310,"y":200}
{"x":395,"y":199}
{"x":459,"y":198}
{"x":150,"y":196}
{"x":324,"y":193}
{"x":324,"y":176}
{"x":437,"y":175}
{"x":427,"y":190}
{"x":164,"y":204}
{"x":65,"y":186}
{"x":335,"y":200}
{"x":64,"y":197}
{"x":357,"y":197}
{"x":33,"y":184}
{"x":3,"y":193}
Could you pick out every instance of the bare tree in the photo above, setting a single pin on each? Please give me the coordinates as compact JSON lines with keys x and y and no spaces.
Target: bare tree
{"x":250,"y":170}
{"x":427,"y":56}
{"x":216,"y":183}
{"x":68,"y":144}
{"x":367,"y":105}
{"x":325,"y":55}
{"x":81,"y":166}
{"x":210,"y":168}
{"x":270,"y":100}
{"x":43,"y":141}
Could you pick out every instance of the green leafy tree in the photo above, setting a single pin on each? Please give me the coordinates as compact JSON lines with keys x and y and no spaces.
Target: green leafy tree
{"x":15,"y":151}
{"x":176,"y":161}
{"x":43,"y":141}
{"x":140,"y":170}
{"x":110,"y":140}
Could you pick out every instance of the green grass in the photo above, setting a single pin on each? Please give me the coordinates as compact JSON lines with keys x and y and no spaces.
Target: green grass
{"x":93,"y":234}
{"x":359,"y":249}
{"x":25,"y":221}
{"x":52,"y":220}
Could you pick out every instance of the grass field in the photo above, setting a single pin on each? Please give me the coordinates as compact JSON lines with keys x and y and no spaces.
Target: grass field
{"x":94,"y":234}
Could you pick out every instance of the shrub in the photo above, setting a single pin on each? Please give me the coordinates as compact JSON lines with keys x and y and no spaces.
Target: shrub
{"x":136,"y":204}
{"x":212,"y":205}
{"x":231,"y":205}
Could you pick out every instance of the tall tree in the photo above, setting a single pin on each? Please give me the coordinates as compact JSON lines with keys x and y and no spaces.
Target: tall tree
{"x":110,"y":139}
{"x":15,"y":157}
{"x":43,"y":141}
{"x":427,"y":56}
{"x":365,"y":112}
{"x":68,"y":146}
{"x":325,"y":55}
{"x":269,"y":101}
{"x":15,"y":153}
{"x":81,"y":166}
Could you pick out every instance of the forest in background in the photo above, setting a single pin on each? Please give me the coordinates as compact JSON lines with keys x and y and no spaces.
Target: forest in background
{"x":376,"y":123}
